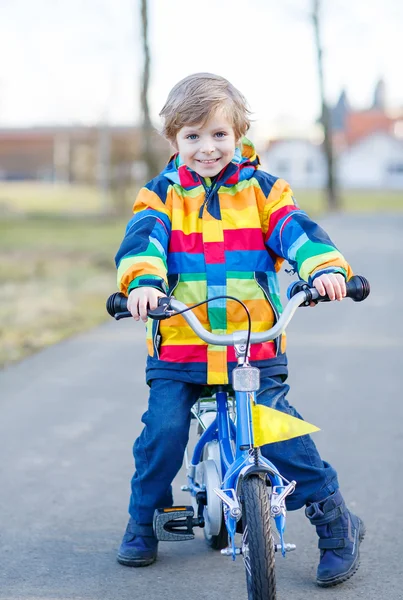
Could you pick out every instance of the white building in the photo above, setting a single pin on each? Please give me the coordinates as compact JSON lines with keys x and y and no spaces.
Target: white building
{"x":373,"y":162}
{"x":299,"y":161}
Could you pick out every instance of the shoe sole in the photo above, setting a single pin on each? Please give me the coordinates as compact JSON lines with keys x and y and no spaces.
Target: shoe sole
{"x":352,"y":570}
{"x":141,"y":562}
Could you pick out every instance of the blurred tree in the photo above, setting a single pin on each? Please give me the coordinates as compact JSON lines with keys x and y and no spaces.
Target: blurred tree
{"x":333,"y":199}
{"x":122,"y":156}
{"x":103,"y":174}
{"x":149,"y":154}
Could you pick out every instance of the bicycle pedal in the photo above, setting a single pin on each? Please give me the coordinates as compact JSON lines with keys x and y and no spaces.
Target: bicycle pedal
{"x":175,"y":524}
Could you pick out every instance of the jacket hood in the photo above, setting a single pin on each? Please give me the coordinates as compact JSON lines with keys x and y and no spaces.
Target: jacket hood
{"x":242,"y":166}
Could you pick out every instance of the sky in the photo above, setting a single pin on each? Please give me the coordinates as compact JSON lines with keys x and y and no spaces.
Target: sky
{"x":80,"y":61}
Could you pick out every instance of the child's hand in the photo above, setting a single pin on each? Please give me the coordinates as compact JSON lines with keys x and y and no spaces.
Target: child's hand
{"x":332,"y":284}
{"x":141,"y":300}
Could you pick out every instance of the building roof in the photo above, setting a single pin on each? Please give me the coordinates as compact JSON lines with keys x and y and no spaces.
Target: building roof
{"x":349,"y":126}
{"x":360,"y":124}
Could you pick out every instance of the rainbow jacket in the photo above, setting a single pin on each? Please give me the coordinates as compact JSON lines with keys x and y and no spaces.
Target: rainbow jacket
{"x":197,"y":238}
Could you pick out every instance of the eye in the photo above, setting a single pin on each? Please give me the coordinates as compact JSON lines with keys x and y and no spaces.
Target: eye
{"x":192,"y":136}
{"x":220,"y":134}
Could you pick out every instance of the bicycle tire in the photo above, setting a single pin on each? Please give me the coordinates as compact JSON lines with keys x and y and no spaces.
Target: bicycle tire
{"x":257,"y":541}
{"x":220,"y":541}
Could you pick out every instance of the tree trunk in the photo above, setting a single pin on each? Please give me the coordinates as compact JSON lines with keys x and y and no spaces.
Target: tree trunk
{"x":331,"y":186}
{"x":148,"y":154}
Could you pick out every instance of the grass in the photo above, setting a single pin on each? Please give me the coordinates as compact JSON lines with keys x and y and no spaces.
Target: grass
{"x":56,"y":260}
{"x":55,"y":276}
{"x":62,"y":199}
{"x":313,"y":201}
{"x":30,"y":198}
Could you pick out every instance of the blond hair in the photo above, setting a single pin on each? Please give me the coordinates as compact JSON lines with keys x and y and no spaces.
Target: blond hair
{"x":195,"y":99}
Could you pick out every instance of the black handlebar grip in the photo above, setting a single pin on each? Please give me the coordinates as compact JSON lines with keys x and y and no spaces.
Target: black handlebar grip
{"x":116,"y":306}
{"x":116,"y":303}
{"x":357,"y":289}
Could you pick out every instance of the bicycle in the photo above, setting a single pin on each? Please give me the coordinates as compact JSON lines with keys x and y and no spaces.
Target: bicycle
{"x":234,"y":489}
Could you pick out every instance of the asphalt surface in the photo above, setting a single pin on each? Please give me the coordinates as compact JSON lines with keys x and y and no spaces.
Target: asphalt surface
{"x":69,"y":415}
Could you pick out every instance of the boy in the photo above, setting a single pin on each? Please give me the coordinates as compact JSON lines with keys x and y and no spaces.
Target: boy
{"x":213,"y":223}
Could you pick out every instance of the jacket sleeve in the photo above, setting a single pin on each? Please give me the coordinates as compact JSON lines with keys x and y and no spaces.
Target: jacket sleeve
{"x":292,"y":235}
{"x":142,"y":257}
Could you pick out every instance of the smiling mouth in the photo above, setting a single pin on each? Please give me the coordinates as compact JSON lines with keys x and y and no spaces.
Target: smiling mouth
{"x":208,"y":162}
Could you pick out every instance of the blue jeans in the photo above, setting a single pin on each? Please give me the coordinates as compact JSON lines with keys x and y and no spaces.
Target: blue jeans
{"x":159,"y":450}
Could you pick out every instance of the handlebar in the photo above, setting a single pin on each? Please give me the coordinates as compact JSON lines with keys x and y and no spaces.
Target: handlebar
{"x":299,"y":293}
{"x":357,"y":289}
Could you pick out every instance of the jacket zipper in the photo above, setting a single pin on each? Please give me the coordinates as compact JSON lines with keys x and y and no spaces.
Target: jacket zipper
{"x":206,"y":198}
{"x":277,"y":341}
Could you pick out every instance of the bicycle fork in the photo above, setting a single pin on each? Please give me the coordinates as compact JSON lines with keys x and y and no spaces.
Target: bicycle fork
{"x":248,"y":459}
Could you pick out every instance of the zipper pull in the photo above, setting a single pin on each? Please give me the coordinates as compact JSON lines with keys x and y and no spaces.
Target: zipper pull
{"x":202,"y":208}
{"x":206,"y":199}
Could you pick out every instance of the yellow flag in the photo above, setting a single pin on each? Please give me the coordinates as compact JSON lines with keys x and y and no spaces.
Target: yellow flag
{"x":270,"y":425}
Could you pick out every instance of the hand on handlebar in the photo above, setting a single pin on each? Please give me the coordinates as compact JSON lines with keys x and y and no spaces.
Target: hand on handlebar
{"x":299,"y":294}
{"x":141,"y":300}
{"x":331,"y":284}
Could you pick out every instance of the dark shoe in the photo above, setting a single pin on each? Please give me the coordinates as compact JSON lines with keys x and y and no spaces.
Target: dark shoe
{"x":137,"y":550}
{"x":340,"y":534}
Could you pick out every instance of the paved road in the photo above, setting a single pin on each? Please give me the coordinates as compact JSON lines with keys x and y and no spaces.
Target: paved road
{"x":70,"y":413}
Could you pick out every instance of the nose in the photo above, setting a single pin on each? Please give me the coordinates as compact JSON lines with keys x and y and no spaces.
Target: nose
{"x":208,"y":148}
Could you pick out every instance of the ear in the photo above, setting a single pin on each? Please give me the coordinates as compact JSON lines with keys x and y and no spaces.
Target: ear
{"x":239,"y":142}
{"x":174,"y":145}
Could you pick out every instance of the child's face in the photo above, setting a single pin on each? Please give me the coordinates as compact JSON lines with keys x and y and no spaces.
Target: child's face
{"x":207,"y":148}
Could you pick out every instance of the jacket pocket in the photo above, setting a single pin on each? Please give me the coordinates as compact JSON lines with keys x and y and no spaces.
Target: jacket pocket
{"x":262,"y":282}
{"x":156,"y":337}
{"x":173,"y":281}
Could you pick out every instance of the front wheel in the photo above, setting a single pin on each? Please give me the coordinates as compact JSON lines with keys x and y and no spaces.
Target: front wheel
{"x":257,"y":541}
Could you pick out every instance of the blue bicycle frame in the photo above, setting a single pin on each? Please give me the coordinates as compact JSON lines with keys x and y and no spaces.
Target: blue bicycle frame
{"x":247,"y":459}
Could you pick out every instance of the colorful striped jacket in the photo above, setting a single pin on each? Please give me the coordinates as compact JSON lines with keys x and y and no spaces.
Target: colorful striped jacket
{"x":196,"y":239}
